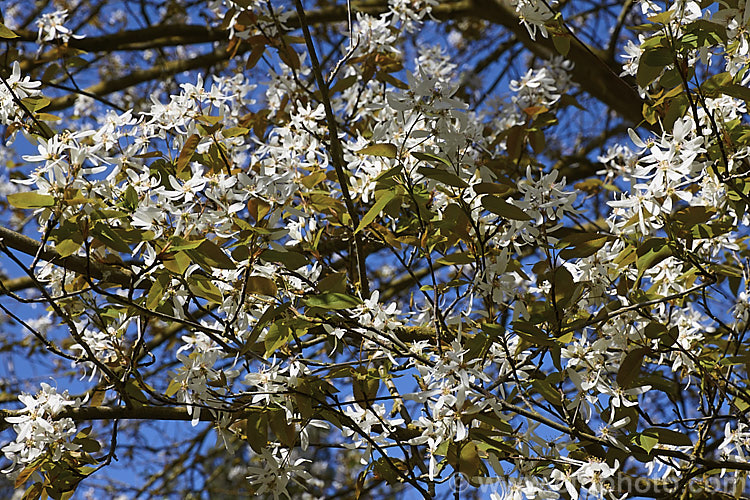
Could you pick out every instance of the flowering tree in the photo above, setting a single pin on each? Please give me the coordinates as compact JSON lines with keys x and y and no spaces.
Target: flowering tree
{"x":477,"y":248}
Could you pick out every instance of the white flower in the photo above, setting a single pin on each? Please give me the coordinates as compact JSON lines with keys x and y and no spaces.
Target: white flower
{"x":51,"y":27}
{"x":594,"y":476}
{"x":533,"y":14}
{"x":560,"y":479}
{"x":37,"y":431}
{"x":277,"y":470}
{"x":22,"y":87}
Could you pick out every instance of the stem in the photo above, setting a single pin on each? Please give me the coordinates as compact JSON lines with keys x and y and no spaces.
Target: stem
{"x":335,"y":150}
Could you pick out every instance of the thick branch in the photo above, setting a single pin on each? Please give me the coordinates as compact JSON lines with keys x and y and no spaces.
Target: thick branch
{"x":15,"y":284}
{"x":590,"y":72}
{"x":125,"y":413}
{"x":140,"y":39}
{"x":136,"y":77}
{"x":74,"y":263}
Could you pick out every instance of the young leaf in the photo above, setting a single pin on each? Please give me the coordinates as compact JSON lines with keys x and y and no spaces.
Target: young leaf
{"x":332,"y":300}
{"x":261,"y":285}
{"x":381,"y":200}
{"x":256,"y":430}
{"x":212,"y":255}
{"x":385,"y":149}
{"x":6,"y":32}
{"x":502,"y":208}
{"x":187,"y":152}
{"x":631,"y":366}
{"x":442,"y":176}
{"x":31,"y":200}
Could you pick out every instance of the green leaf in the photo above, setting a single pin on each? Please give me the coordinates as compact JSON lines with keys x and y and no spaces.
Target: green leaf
{"x":89,"y":445}
{"x":278,"y":335}
{"x":256,"y":430}
{"x":713,"y":86}
{"x":562,"y":44}
{"x":365,"y":385}
{"x":204,"y":288}
{"x":291,"y":260}
{"x":34,"y":492}
{"x":156,"y":292}
{"x":431,"y":158}
{"x":650,"y":253}
{"x":652,"y":436}
{"x":564,"y":286}
{"x":332,"y":301}
{"x":651,"y":64}
{"x":736,"y":91}
{"x":343,"y":84}
{"x":442,"y":176}
{"x":269,"y":314}
{"x":209,"y":255}
{"x":31,"y":200}
{"x":177,"y":262}
{"x":6,"y":32}
{"x":491,"y":187}
{"x":707,"y":32}
{"x":504,"y":209}
{"x":334,"y":282}
{"x":177,"y":244}
{"x":647,"y":439}
{"x":531,"y":333}
{"x":464,"y":458}
{"x":457,"y":258}
{"x":382,"y":198}
{"x":36,"y":102}
{"x":545,"y":389}
{"x":234,"y":132}
{"x":582,"y":245}
{"x":173,"y":388}
{"x":668,"y":436}
{"x":130,"y":199}
{"x":110,"y":237}
{"x":284,"y":430}
{"x":69,"y":246}
{"x":631,"y":366}
{"x":134,"y":393}
{"x":385,"y":149}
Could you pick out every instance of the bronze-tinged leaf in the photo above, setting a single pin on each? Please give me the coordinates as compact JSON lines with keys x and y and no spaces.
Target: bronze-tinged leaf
{"x":384,"y":149}
{"x":26,"y":473}
{"x":261,"y":285}
{"x":187,"y":152}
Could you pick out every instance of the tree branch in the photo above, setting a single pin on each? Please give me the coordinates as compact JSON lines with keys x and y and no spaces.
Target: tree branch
{"x":139,"y":76}
{"x":74,"y":263}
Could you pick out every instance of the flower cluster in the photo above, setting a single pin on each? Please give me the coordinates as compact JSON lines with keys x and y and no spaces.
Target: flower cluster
{"x":51,"y":27}
{"x":277,"y":470}
{"x":20,"y":88}
{"x":38,"y":432}
{"x":543,"y":86}
{"x":533,"y":15}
